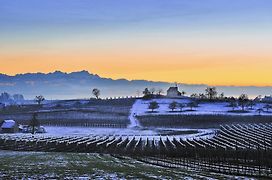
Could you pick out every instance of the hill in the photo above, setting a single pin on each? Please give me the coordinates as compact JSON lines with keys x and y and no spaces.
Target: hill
{"x":62,"y":85}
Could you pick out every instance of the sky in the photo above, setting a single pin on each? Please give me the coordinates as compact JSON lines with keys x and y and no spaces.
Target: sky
{"x":214,"y":42}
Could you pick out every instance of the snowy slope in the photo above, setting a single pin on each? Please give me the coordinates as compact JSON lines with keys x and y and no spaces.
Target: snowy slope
{"x":214,"y":108}
{"x":137,"y":133}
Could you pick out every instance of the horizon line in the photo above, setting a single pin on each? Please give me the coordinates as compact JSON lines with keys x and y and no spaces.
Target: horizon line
{"x":127,"y":79}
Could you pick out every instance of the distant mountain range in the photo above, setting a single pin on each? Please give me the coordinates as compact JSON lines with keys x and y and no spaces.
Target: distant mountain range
{"x":61,"y":85}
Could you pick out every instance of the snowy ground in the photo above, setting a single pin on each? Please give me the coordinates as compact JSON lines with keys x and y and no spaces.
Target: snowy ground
{"x":144,"y":133}
{"x":140,"y":107}
{"x":132,"y":117}
{"x":218,"y":108}
{"x":64,"y":131}
{"x":41,"y":165}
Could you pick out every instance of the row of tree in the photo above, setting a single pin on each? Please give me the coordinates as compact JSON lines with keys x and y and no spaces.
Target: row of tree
{"x":174,"y":105}
{"x":6,"y":97}
{"x":244,"y":102}
{"x":210,"y":93}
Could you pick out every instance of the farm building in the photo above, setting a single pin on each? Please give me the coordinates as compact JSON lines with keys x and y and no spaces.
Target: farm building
{"x":9,"y":126}
{"x":267,"y":99}
{"x":173,"y":92}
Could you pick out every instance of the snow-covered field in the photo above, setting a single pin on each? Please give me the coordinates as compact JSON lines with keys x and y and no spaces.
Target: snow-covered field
{"x":85,"y":166}
{"x":83,"y":131}
{"x":140,"y":108}
{"x":215,"y":108}
{"x":151,"y":133}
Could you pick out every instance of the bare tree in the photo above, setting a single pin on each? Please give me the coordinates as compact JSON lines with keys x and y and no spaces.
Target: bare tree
{"x":222,"y":96}
{"x":194,"y":95}
{"x":202,"y":96}
{"x":153,"y":105}
{"x":181,"y":106}
{"x":96,"y":93}
{"x":192,"y":105}
{"x":267,"y":107}
{"x":173,"y":105}
{"x":39,"y":99}
{"x":243,"y":100}
{"x":34,"y":123}
{"x":152,"y":90}
{"x":159,"y":91}
{"x":233,"y":104}
{"x":211,"y":92}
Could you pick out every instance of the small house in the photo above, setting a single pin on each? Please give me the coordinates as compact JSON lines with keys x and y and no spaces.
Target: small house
{"x":173,"y":92}
{"x":9,"y":126}
{"x":267,"y":99}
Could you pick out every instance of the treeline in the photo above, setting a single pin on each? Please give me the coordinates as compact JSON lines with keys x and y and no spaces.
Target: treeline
{"x":238,"y":104}
{"x":9,"y":98}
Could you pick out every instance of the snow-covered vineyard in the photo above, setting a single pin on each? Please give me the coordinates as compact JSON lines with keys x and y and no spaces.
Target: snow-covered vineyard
{"x":229,"y":137}
{"x":245,"y":146}
{"x":141,"y":107}
{"x":207,"y":137}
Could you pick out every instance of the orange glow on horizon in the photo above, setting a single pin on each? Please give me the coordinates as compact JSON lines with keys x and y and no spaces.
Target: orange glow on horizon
{"x":170,"y":67}
{"x":215,"y":43}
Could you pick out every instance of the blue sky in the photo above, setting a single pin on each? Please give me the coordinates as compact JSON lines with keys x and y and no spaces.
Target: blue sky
{"x":105,"y":14}
{"x":186,"y":36}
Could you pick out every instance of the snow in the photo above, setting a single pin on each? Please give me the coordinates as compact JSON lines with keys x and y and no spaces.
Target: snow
{"x":132,"y":117}
{"x":140,"y":107}
{"x":215,"y":108}
{"x":144,"y":133}
{"x":7,"y":124}
{"x":82,"y":131}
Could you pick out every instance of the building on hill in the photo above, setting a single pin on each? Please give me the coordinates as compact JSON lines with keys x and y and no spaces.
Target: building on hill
{"x":267,"y":99}
{"x":9,"y":126}
{"x":173,"y":92}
